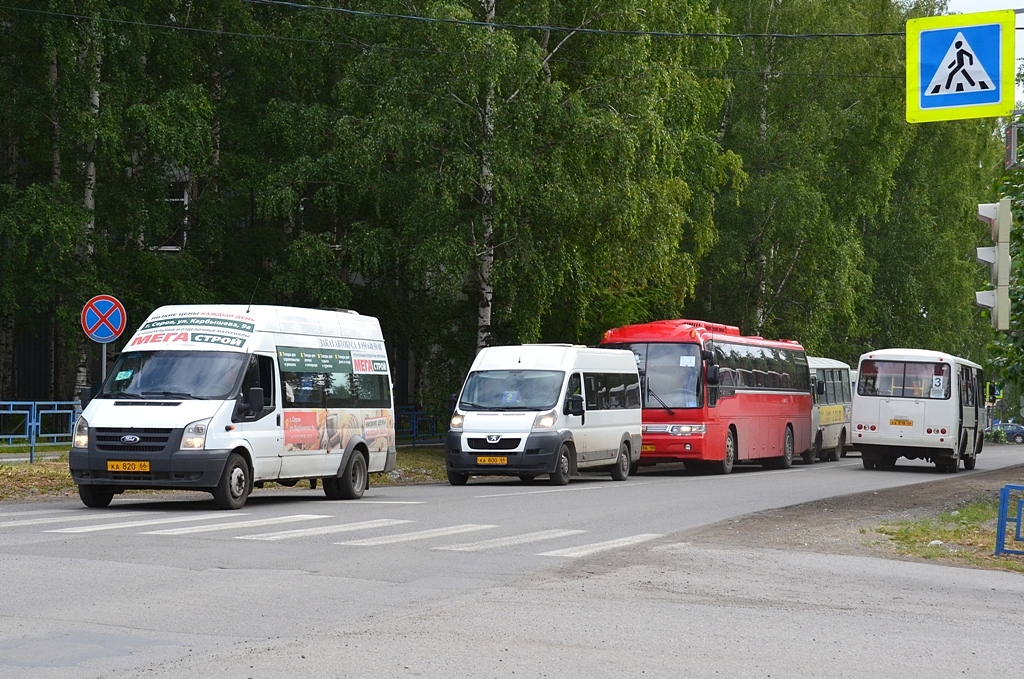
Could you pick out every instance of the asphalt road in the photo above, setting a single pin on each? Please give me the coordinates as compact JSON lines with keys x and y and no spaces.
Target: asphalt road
{"x":496,"y":578}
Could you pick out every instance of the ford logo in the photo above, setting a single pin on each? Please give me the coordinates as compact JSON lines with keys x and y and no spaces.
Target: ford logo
{"x":493,"y":438}
{"x":130,"y":438}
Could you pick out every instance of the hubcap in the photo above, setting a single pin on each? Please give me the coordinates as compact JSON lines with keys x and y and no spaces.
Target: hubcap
{"x":237,"y":485}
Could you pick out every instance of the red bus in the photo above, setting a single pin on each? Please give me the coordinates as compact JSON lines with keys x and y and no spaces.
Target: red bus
{"x":713,"y":397}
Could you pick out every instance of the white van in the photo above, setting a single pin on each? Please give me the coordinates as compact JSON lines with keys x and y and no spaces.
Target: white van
{"x":221,"y":398}
{"x":549,"y":409}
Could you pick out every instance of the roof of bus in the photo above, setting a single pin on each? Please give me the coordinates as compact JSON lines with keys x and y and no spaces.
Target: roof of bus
{"x":821,"y":362}
{"x":923,"y":355}
{"x":688,"y":330}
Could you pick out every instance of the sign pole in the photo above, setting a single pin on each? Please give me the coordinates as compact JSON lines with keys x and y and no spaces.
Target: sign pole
{"x":103,"y":372}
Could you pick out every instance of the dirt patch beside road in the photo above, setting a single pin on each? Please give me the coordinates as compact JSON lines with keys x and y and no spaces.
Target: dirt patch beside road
{"x":847,"y":524}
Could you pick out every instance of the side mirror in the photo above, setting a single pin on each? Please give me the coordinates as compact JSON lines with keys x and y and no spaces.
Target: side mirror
{"x":255,"y":403}
{"x":820,"y":388}
{"x":85,"y":396}
{"x":576,"y":405}
{"x":707,"y":355}
{"x":453,"y":401}
{"x":712,"y":375}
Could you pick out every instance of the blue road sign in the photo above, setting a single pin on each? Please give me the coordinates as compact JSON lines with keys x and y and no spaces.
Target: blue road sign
{"x":960,"y":66}
{"x":103,"y":319}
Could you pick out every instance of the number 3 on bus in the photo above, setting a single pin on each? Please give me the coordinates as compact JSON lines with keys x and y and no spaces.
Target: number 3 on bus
{"x":713,"y":398}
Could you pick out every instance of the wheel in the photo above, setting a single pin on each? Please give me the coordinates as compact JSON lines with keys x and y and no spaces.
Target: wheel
{"x":457,"y":478}
{"x":888,"y":461}
{"x":725,"y":466}
{"x":869,"y":463}
{"x":634,"y":468}
{"x":95,"y":496}
{"x":233,"y":488}
{"x":560,"y":477}
{"x":786,"y":461}
{"x":620,"y":472}
{"x":837,"y":452}
{"x":525,"y":478}
{"x":810,"y":456}
{"x":1018,"y":438}
{"x":351,"y":483}
{"x":969,"y":463}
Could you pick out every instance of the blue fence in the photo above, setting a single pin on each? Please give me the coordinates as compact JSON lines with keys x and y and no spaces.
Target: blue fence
{"x":418,"y":426}
{"x":33,"y":423}
{"x":1010,"y":494}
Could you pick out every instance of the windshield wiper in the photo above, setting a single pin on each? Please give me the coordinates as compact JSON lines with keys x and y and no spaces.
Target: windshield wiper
{"x":171,"y":394}
{"x":121,"y":394}
{"x":651,"y":392}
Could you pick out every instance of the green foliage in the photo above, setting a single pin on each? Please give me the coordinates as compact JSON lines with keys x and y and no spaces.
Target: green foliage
{"x":340,"y":161}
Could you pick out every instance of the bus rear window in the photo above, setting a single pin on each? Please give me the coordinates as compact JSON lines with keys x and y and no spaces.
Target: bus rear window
{"x":901,"y":379}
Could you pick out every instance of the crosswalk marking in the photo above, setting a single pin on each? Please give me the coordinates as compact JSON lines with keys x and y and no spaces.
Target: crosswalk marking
{"x":418,"y":535}
{"x":37,"y":511}
{"x":511,"y":540}
{"x":137,"y":524}
{"x":324,"y":530}
{"x":594,"y":548}
{"x":189,"y":530}
{"x":63,"y":519}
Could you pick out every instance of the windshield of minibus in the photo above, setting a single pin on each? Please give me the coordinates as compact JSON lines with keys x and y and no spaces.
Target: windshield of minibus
{"x":512,"y":390}
{"x":174,"y":374}
{"x":669,"y":373}
{"x":904,"y":380}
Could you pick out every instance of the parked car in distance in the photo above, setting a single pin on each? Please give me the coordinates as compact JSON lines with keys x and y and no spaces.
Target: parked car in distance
{"x":1014,"y":432}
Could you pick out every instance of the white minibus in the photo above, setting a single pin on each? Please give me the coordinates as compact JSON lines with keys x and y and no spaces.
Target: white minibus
{"x":831,"y":408}
{"x":918,"y":404}
{"x":552,"y":409}
{"x":223,"y":398}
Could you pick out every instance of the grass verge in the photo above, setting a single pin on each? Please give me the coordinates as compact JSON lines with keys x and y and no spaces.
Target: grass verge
{"x":965,"y":536}
{"x":51,"y":478}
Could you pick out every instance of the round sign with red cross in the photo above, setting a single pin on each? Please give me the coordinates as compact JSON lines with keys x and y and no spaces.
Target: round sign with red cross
{"x":103,"y":319}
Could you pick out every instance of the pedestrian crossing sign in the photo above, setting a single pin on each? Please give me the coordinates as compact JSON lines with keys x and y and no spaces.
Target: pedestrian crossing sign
{"x":960,"y":66}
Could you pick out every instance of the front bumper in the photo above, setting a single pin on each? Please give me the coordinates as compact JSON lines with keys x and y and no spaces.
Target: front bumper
{"x":182,"y":469}
{"x":538,"y":454}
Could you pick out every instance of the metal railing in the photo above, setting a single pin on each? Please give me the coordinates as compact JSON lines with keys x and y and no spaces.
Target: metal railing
{"x":1005,"y":518}
{"x":420,"y":427}
{"x":31,"y":423}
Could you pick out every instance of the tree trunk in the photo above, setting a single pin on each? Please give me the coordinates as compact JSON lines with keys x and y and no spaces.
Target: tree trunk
{"x":54,"y":123}
{"x":485,"y":199}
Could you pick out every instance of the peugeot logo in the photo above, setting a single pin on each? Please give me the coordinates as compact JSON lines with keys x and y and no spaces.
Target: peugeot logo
{"x":130,"y":438}
{"x":493,"y":438}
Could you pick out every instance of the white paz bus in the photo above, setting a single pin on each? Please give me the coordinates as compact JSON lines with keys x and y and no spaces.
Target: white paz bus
{"x":224,"y":398}
{"x":830,"y":408}
{"x":918,"y":404}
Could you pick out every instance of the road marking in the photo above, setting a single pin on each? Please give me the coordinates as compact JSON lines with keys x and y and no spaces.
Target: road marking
{"x":62,"y":519}
{"x":511,"y":540}
{"x":587,"y":550}
{"x":418,"y":535}
{"x":570,"y":489}
{"x":137,"y":524}
{"x":324,"y":530}
{"x":386,"y":502}
{"x":38,"y":511}
{"x":189,"y":530}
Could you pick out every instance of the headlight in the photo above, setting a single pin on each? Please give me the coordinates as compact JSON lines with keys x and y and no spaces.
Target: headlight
{"x":687,"y":429}
{"x":456,"y":422}
{"x":545,"y":420}
{"x":195,"y":435}
{"x":81,"y":433}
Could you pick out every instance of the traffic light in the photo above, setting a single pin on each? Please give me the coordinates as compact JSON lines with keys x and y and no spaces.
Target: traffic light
{"x":1000,"y":219}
